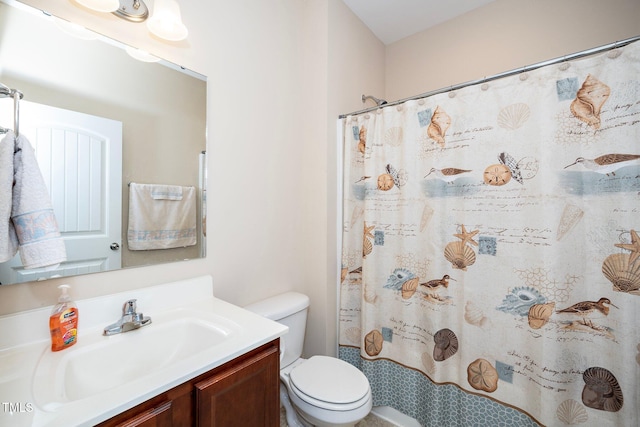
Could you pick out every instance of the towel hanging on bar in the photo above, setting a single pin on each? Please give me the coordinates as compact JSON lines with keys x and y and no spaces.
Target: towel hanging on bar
{"x":29,"y":224}
{"x":161,"y":216}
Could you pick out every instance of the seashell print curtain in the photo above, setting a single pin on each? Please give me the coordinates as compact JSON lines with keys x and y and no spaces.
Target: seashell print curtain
{"x":491,"y":249}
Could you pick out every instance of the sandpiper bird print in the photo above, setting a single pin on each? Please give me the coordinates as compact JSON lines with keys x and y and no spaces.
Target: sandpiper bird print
{"x":433,"y":285}
{"x":608,"y":163}
{"x":436,"y":283}
{"x":447,"y":174}
{"x":585,"y":308}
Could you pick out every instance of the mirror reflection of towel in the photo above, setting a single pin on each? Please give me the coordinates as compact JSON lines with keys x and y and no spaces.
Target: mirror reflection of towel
{"x":32,"y":224}
{"x":161,"y":216}
{"x":8,"y":238}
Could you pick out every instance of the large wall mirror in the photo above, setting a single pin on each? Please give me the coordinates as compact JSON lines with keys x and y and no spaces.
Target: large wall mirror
{"x":145,"y":121}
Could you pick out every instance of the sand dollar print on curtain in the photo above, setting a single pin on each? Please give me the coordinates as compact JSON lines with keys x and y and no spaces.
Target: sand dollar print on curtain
{"x":491,"y":258}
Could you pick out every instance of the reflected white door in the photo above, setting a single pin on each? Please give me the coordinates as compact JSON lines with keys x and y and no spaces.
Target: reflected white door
{"x":80,"y":157}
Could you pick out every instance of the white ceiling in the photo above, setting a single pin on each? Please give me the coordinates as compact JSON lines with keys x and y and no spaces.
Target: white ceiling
{"x":392,"y":20}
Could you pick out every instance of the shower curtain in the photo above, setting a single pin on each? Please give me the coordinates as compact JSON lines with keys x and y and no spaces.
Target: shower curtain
{"x":491,"y":258}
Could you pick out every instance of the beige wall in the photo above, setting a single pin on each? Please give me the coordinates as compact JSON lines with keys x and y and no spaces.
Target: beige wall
{"x":502,"y":36}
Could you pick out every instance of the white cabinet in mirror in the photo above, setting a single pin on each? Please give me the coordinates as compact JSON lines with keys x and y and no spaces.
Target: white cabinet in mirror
{"x":98,"y":120}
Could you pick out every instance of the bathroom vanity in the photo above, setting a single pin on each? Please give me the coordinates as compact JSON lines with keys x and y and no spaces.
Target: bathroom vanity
{"x":201,"y":361}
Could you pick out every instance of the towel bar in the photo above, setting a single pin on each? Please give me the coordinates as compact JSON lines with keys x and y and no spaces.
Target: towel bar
{"x":6,"y":92}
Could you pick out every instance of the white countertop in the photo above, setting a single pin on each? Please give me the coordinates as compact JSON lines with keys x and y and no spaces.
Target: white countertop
{"x":25,"y":345}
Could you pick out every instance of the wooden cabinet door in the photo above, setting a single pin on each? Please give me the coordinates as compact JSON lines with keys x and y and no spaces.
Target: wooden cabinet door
{"x":243,"y":394}
{"x":155,"y":417}
{"x":170,"y":409}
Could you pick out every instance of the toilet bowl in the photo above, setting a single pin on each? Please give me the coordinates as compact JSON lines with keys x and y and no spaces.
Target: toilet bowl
{"x":327,"y":392}
{"x":320,"y":391}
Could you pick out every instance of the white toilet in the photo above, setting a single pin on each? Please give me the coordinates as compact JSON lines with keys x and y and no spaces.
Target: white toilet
{"x":325,"y":391}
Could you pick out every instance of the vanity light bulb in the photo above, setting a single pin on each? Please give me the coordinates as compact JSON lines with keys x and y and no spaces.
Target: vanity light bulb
{"x":166,"y":21}
{"x":100,"y":5}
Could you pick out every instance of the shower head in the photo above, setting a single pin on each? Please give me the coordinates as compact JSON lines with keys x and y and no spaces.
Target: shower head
{"x":378,"y":101}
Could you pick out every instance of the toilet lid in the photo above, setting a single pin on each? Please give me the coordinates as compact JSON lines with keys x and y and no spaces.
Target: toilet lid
{"x":330,"y":380}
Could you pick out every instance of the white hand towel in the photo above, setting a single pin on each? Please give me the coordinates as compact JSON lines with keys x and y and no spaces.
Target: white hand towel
{"x":166,"y":192}
{"x":161,"y":217}
{"x":35,"y":224}
{"x":8,"y":238}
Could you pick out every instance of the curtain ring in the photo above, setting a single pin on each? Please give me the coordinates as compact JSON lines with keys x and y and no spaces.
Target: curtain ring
{"x":614,"y":52}
{"x":523,"y":75}
{"x":484,"y":85}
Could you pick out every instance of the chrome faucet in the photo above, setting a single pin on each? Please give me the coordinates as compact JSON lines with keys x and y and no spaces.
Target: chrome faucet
{"x":130,"y":320}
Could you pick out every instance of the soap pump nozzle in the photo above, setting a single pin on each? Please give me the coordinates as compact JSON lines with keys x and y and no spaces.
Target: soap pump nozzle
{"x":64,"y":293}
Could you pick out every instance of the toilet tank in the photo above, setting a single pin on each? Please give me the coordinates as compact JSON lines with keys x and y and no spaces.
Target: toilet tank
{"x":290,"y":309}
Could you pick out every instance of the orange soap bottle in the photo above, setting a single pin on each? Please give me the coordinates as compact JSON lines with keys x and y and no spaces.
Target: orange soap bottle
{"x":63,"y":322}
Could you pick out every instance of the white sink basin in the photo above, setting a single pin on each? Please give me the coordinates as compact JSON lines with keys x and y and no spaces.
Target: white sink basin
{"x":99,"y":363}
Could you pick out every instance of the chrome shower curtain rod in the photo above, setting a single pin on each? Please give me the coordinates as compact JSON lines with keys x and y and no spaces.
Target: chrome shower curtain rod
{"x":587,"y":52}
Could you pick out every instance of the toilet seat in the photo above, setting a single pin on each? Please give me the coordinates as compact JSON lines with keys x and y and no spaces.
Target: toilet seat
{"x":330,"y":383}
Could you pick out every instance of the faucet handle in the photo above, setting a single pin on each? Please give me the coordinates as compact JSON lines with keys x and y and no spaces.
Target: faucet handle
{"x":129,"y":307}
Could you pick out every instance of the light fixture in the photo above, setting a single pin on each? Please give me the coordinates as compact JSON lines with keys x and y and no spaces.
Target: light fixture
{"x":166,"y":21}
{"x":100,"y":5}
{"x":132,"y":10}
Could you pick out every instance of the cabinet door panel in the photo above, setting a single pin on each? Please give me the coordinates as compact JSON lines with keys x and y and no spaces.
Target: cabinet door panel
{"x":170,"y":409}
{"x":245,"y":394}
{"x":156,"y":417}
